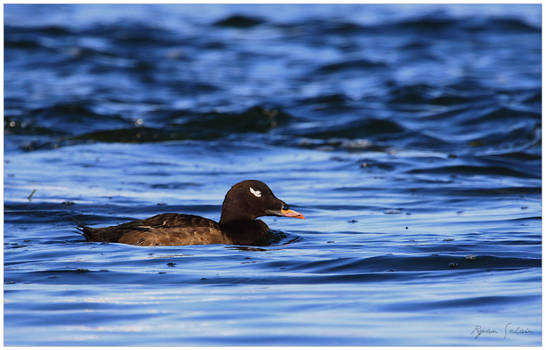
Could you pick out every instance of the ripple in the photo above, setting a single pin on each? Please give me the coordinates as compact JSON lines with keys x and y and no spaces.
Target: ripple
{"x":239,"y":21}
{"x":358,"y":64}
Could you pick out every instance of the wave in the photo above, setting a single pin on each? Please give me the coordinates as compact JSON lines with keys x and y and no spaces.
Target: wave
{"x":368,"y":127}
{"x":481,"y":192}
{"x":498,"y":114}
{"x":474,"y":170}
{"x":239,"y":21}
{"x":393,"y":263}
{"x":506,"y":24}
{"x":131,"y":34}
{"x":31,"y":37}
{"x":457,"y":303}
{"x":357,"y":64}
{"x":51,"y":30}
{"x":187,"y":125}
{"x":202,"y":127}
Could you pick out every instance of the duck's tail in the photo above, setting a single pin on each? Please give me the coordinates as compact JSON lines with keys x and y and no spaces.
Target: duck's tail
{"x":90,"y":234}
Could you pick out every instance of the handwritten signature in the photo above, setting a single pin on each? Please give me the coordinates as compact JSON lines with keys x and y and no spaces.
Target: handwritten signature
{"x":509,"y":329}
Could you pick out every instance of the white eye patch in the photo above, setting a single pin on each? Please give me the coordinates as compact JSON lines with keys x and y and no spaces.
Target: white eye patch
{"x":256,"y":193}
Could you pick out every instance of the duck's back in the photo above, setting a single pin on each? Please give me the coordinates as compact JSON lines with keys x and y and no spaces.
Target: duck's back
{"x":163,"y":229}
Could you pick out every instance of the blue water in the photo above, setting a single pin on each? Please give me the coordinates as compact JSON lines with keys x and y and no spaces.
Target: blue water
{"x":409,"y":136}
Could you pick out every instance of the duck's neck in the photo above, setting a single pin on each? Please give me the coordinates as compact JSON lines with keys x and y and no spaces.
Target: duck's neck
{"x":238,"y":214}
{"x":245,"y":231}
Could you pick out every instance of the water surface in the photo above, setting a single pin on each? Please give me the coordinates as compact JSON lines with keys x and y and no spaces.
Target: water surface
{"x":409,"y":136}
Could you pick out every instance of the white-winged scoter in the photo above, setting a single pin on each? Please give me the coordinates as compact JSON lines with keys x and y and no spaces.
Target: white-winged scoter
{"x":244,"y":202}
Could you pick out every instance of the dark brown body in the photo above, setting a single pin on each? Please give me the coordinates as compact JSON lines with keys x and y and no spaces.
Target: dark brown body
{"x":180,"y":229}
{"x":244,"y":202}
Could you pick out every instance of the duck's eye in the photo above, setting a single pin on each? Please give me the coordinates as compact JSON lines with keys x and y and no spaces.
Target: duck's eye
{"x":255,"y":192}
{"x":285,"y":207}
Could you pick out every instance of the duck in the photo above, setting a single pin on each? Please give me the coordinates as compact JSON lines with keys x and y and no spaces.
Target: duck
{"x":243,"y":204}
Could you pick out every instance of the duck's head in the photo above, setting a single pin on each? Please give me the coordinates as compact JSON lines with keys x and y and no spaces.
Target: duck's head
{"x":250,"y":199}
